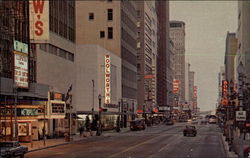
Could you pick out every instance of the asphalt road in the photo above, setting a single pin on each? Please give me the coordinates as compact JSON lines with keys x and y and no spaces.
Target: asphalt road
{"x":155,"y":142}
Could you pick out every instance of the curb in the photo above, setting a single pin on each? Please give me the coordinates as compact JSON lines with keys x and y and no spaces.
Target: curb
{"x":226,"y":147}
{"x":47,"y":147}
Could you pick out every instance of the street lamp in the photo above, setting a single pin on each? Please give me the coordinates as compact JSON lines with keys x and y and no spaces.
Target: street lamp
{"x":93,"y":100}
{"x":99,"y":125}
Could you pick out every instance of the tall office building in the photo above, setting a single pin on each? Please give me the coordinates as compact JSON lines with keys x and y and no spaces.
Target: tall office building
{"x":162,"y":10}
{"x":191,"y":91}
{"x":243,"y":36}
{"x":177,"y":34}
{"x":170,"y":74}
{"x":113,"y":26}
{"x":52,"y":37}
{"x":230,"y":55}
{"x":147,"y":55}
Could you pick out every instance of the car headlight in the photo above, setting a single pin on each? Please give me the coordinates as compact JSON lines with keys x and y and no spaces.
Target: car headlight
{"x":7,"y":152}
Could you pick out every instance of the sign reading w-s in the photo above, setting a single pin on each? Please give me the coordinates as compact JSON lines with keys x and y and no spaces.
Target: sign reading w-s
{"x":39,"y":20}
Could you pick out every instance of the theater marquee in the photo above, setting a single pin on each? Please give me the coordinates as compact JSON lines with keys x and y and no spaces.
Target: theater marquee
{"x":107,"y":85}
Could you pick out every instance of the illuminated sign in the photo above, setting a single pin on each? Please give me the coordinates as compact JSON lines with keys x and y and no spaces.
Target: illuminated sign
{"x":28,"y":112}
{"x":56,"y":96}
{"x":58,"y":108}
{"x":224,"y":88}
{"x":39,"y":19}
{"x":21,"y":69}
{"x":176,"y":85}
{"x":107,"y":85}
{"x":195,"y":92}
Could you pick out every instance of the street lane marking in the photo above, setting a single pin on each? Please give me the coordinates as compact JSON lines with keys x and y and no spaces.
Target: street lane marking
{"x":135,"y":146}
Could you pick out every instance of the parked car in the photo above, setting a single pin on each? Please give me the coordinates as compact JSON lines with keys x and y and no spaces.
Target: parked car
{"x":137,"y":125}
{"x":190,"y":130}
{"x":12,"y":149}
{"x":169,"y":122}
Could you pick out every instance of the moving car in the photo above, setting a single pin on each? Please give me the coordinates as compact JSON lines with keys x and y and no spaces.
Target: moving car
{"x":212,"y":119}
{"x":169,"y":122}
{"x":137,"y":125}
{"x":12,"y":149}
{"x":190,"y":130}
{"x":204,"y":121}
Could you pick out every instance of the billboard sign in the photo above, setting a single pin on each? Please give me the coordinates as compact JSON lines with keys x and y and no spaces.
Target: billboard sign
{"x":176,"y":85}
{"x":224,"y":88}
{"x":39,"y":19}
{"x":21,"y":69}
{"x":107,"y":78}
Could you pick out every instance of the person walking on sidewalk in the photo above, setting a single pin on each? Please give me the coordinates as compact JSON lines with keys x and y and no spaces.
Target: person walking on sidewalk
{"x":87,"y":124}
{"x":81,"y":130}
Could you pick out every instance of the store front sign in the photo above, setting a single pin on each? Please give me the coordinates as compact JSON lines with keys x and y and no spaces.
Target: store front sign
{"x":20,"y":47}
{"x":21,"y":69}
{"x":58,"y":108}
{"x":111,"y":105}
{"x":28,"y":112}
{"x":107,"y":85}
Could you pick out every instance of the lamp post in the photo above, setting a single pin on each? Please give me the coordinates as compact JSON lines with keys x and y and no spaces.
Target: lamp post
{"x":240,"y":70}
{"x":99,"y":124}
{"x":15,"y":112}
{"x":93,"y":100}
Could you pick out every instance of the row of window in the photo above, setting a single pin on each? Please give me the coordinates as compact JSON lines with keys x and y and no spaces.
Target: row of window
{"x":109,"y":15}
{"x":62,"y":18}
{"x":128,"y":56}
{"x":128,"y":38}
{"x":128,"y":74}
{"x":110,"y":33}
{"x":57,"y":51}
{"x":127,"y":20}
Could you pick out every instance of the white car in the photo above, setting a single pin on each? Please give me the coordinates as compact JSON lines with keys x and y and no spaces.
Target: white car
{"x":212,"y":120}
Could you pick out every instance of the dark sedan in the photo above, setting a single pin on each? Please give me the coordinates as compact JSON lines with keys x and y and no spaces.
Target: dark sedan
{"x":137,"y":125}
{"x":12,"y":149}
{"x":190,"y":130}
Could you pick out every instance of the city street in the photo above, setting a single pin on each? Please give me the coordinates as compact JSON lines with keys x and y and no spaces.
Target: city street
{"x":155,"y":142}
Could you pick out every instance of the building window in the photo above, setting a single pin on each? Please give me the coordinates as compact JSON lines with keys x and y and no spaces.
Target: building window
{"x":52,"y":49}
{"x":110,"y":32}
{"x":62,"y":53}
{"x":43,"y":46}
{"x":102,"y":34}
{"x":91,"y":16}
{"x":110,"y":14}
{"x":71,"y":56}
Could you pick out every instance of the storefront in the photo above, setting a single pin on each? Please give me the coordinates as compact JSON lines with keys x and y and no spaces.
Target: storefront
{"x":26,"y":116}
{"x":57,"y":124}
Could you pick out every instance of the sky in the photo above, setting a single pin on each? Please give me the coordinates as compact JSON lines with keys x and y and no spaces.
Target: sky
{"x":207,"y":24}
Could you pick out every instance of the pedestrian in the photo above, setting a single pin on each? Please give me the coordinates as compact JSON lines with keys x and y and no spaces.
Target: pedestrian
{"x":81,"y":130}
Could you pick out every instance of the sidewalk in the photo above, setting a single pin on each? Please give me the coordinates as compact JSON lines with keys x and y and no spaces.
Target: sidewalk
{"x":226,"y":148}
{"x":49,"y":143}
